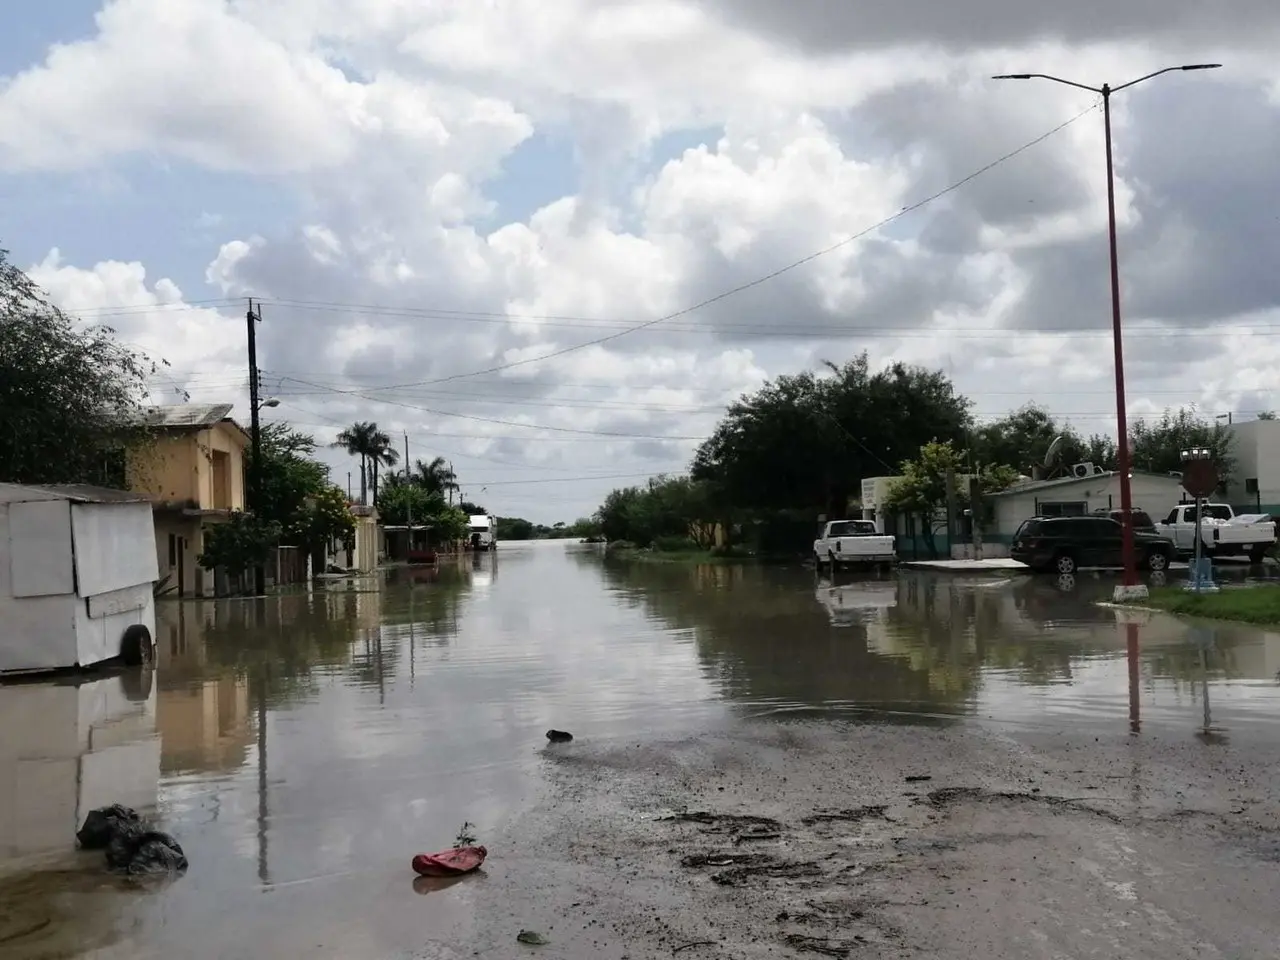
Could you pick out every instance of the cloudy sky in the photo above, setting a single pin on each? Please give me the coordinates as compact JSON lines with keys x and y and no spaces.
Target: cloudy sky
{"x":432,"y":197}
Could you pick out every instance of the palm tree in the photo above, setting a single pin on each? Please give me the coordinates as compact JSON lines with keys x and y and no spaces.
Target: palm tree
{"x":436,"y":476}
{"x":381,"y":452}
{"x":358,"y":440}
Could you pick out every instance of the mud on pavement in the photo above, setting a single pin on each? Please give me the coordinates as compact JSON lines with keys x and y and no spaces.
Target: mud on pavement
{"x":828,"y":840}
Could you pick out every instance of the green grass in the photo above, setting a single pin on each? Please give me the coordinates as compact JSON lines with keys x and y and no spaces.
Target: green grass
{"x":1254,"y":604}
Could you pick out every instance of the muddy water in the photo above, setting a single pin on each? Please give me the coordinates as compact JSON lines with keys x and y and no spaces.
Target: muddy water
{"x":304,"y":747}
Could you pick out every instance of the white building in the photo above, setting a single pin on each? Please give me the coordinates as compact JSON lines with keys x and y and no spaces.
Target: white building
{"x":1255,"y":481}
{"x":1155,"y":493}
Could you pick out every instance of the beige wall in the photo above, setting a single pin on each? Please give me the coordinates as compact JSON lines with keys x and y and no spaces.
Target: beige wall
{"x":181,"y":466}
{"x":188,"y":544}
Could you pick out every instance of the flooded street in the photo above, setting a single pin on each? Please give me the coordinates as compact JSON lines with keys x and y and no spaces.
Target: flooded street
{"x":305,"y":747}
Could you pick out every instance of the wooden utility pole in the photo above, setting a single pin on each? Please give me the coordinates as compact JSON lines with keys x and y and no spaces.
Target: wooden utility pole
{"x":408,"y":498}
{"x":255,"y":434}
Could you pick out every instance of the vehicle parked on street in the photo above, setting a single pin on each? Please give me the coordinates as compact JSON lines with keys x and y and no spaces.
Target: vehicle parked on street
{"x":1141,"y":519}
{"x":482,"y":532}
{"x":854,"y":543}
{"x":1223,"y":532}
{"x":1066,"y":544}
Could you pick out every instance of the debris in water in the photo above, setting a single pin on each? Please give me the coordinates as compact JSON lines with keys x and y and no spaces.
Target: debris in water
{"x":131,"y":846}
{"x":449,"y":863}
{"x":919,"y":778}
{"x":531,"y":938}
{"x":559,"y":736}
{"x":466,"y":835}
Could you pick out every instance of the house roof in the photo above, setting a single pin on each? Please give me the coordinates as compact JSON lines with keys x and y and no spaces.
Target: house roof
{"x":75,"y":492}
{"x":190,"y":416}
{"x":186,"y":415}
{"x":1037,"y":485}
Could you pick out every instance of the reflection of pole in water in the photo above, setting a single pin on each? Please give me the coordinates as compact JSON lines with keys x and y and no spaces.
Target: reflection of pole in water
{"x":1204,"y":684}
{"x":1131,"y":645}
{"x":263,"y":875}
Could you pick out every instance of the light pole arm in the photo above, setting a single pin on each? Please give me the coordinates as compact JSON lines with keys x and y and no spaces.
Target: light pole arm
{"x":1045,"y":76}
{"x":1189,"y":66}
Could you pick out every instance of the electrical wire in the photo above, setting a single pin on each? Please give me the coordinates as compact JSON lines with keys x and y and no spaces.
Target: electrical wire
{"x":765,"y":278}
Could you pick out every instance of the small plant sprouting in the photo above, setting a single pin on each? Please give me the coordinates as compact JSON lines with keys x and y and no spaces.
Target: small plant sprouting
{"x":466,"y":837}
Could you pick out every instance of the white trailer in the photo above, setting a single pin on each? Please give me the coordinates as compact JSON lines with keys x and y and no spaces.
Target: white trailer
{"x":482,"y":532}
{"x":77,"y":571}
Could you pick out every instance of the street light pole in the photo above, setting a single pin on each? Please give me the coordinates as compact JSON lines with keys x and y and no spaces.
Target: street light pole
{"x":1131,"y":589}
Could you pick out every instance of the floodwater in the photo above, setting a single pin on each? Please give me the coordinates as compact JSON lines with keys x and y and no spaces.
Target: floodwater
{"x":304,"y":747}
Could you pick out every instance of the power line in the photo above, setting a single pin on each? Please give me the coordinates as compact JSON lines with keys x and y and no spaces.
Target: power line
{"x":758,"y":281}
{"x":509,"y":423}
{"x":747,"y":328}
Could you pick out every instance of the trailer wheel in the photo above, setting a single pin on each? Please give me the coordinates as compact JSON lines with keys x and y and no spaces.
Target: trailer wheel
{"x":1257,"y":555}
{"x":136,"y":648}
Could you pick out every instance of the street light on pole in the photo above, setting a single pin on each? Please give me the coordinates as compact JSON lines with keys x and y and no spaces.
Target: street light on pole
{"x":1131,"y":589}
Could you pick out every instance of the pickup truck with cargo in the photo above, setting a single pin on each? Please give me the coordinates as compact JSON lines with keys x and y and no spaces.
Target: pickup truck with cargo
{"x":853,"y":543}
{"x":1223,"y":532}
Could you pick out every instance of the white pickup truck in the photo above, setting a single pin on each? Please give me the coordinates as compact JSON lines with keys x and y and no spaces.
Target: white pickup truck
{"x":1223,"y":532}
{"x":853,"y":543}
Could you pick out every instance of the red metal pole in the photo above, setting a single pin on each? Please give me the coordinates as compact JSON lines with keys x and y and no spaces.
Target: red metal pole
{"x":1122,"y":424}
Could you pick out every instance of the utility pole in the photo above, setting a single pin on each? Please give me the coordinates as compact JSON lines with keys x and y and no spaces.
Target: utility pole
{"x":255,"y":434}
{"x":408,"y":498}
{"x":454,"y":480}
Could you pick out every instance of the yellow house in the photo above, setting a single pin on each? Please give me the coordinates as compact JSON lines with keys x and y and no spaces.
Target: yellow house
{"x":193,"y":469}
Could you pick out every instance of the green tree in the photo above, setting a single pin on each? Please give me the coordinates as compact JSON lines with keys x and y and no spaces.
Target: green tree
{"x":358,"y":441}
{"x":241,"y":543}
{"x":448,"y":523}
{"x":399,"y":501}
{"x":1157,"y":447}
{"x":515,"y":528}
{"x":472,"y":509}
{"x":289,"y":476}
{"x":69,"y":394}
{"x":665,"y":508}
{"x":435,"y":477}
{"x":921,"y":488}
{"x":326,"y":519}
{"x":1022,"y":439}
{"x":806,"y":441}
{"x":381,"y":453}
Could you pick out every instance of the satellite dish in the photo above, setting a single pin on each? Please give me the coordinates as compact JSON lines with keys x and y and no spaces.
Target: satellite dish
{"x":1051,"y":455}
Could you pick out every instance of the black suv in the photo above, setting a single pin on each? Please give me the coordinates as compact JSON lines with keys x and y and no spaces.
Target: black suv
{"x":1141,"y":519}
{"x":1064,"y":544}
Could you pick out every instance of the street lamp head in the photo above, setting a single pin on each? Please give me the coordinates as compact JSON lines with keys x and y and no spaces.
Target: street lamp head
{"x":1201,"y":66}
{"x":1012,"y":76}
{"x":269,"y":402}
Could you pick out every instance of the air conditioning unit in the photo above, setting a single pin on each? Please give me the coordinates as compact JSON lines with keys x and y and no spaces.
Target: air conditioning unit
{"x":1083,"y":470}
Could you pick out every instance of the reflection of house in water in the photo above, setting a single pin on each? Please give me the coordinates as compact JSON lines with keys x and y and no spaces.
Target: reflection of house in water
{"x":203,"y":715}
{"x":69,"y":748}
